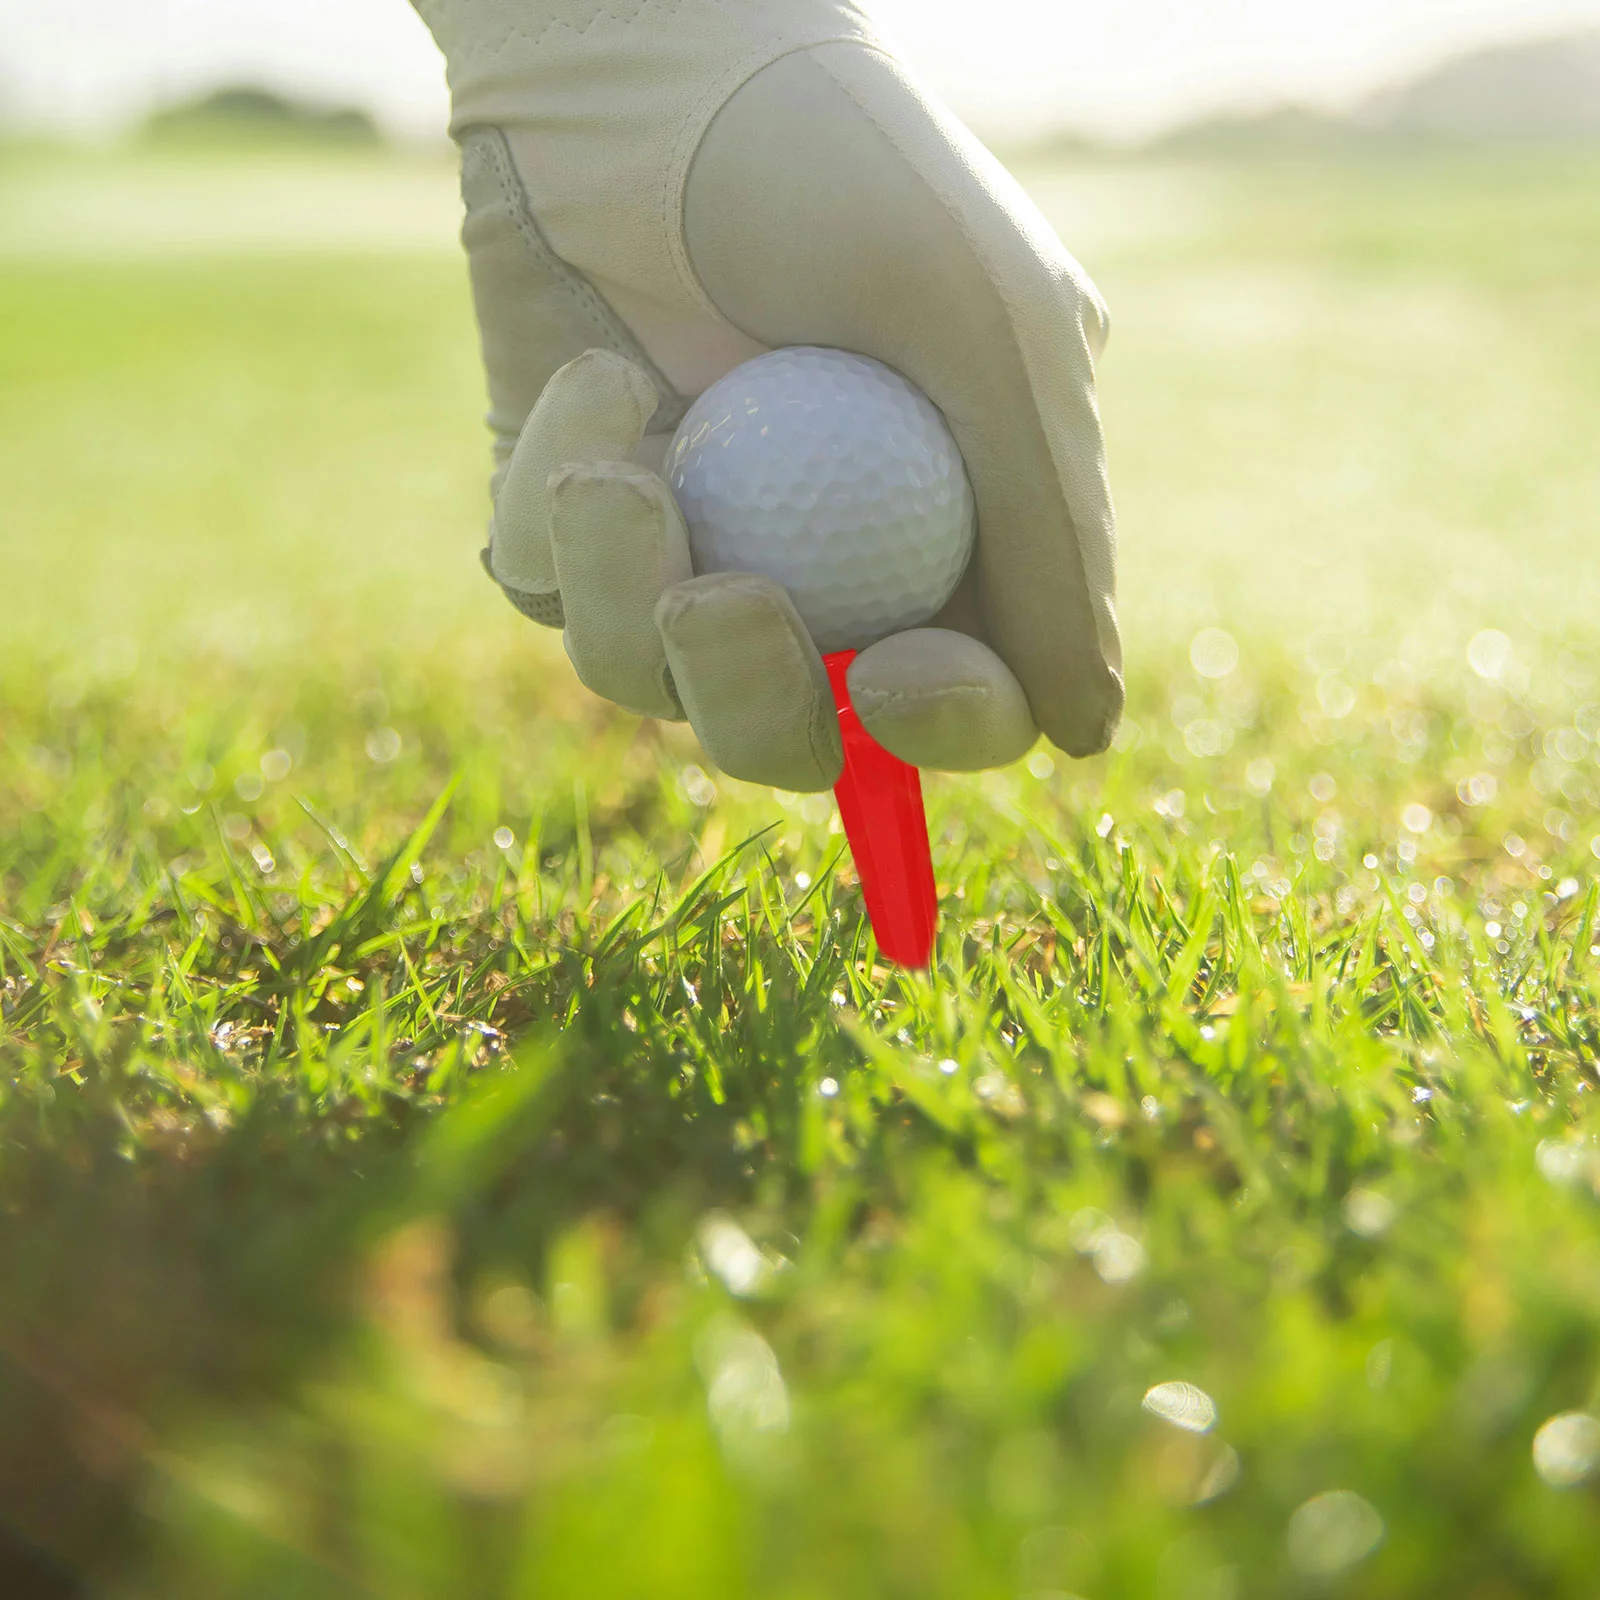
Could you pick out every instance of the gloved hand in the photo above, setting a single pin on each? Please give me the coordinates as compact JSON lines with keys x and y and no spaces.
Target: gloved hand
{"x":659,"y":190}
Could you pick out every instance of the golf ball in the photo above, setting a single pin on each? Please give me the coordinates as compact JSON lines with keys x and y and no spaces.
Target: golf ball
{"x":834,"y":476}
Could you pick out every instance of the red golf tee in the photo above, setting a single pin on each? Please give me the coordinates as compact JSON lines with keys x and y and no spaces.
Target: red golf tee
{"x":880,"y":803}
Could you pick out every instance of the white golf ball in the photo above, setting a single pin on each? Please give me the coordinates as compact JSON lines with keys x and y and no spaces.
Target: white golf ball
{"x":831,"y":474}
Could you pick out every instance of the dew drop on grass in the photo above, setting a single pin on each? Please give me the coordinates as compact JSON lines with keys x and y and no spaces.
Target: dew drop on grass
{"x":504,"y":838}
{"x":1259,"y":776}
{"x":732,"y":1255}
{"x":1184,"y":1405}
{"x":745,"y":1393}
{"x":1489,"y":654}
{"x":1333,"y":1531}
{"x":1566,"y":1450}
{"x":1336,"y":698}
{"x":1369,"y":1214}
{"x":1565,"y":1162}
{"x":1221,"y":1476}
{"x":697,"y":786}
{"x":1213,"y":653}
{"x":1118,"y":1257}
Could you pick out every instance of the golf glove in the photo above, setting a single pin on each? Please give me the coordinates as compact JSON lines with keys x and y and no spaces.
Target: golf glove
{"x":659,"y":190}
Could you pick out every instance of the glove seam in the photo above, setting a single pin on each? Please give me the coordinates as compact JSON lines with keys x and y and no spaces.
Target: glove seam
{"x":581,"y":295}
{"x":533,"y":39}
{"x":898,"y":699}
{"x":823,"y":713}
{"x":696,"y":125}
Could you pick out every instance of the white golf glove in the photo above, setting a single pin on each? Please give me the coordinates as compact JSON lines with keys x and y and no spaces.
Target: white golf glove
{"x":659,"y":190}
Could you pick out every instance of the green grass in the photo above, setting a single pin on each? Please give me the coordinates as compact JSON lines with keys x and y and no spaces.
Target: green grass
{"x":453,"y":1145}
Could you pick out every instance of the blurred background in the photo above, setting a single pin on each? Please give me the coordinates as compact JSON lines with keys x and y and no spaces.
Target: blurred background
{"x":1347,"y":246}
{"x":1020,"y":70}
{"x":1352,"y":398}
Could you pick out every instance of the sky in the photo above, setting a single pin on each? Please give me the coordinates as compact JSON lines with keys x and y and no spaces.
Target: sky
{"x":1116,"y":68}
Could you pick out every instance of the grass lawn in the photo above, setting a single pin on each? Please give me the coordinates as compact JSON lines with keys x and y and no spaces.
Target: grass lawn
{"x":452,"y":1145}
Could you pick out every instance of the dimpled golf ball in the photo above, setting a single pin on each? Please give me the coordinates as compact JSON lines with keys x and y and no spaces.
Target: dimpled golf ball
{"x":831,"y":474}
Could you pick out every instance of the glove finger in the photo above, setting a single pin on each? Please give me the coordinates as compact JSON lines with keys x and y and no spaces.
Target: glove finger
{"x":942,"y":700}
{"x":751,"y":681}
{"x":594,"y":409}
{"x":618,"y":540}
{"x":831,"y":202}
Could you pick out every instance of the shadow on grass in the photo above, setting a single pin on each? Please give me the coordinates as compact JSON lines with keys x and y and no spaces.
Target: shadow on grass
{"x":147,"y":1285}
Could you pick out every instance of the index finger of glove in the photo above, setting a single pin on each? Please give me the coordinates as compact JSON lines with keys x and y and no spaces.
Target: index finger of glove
{"x":751,"y":682}
{"x":619,"y":543}
{"x":594,"y":409}
{"x":830,"y":203}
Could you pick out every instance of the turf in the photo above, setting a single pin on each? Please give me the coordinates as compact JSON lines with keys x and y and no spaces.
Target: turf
{"x":454,"y":1144}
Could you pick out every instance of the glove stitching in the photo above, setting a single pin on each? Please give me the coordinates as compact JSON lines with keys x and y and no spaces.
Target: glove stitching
{"x":622,"y":21}
{"x":492,"y":46}
{"x":544,"y":609}
{"x":534,"y":37}
{"x":581,"y":295}
{"x":824,"y":716}
{"x":876,"y":700}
